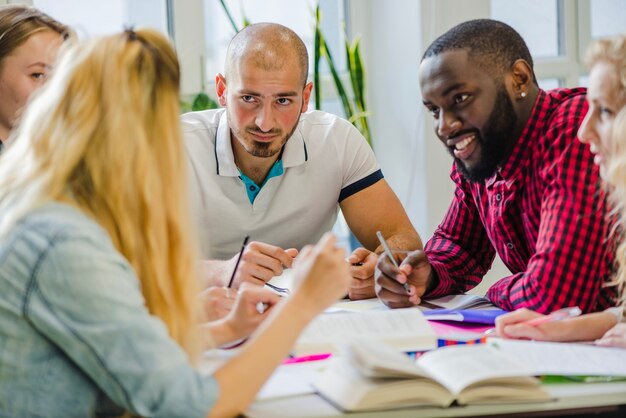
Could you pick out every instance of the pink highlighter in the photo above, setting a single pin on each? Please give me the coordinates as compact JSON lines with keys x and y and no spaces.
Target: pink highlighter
{"x":305,"y":359}
{"x":554,"y":316}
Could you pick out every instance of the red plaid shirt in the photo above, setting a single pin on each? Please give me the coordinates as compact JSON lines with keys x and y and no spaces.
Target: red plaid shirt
{"x":544,"y":212}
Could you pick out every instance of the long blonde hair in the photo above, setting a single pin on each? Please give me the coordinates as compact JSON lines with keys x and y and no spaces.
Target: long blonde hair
{"x":613,"y":52}
{"x":104,"y":134}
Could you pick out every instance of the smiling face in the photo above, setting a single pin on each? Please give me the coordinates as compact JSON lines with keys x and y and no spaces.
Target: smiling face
{"x":263,"y":104}
{"x":22,"y":72}
{"x":606,"y":98}
{"x":474,"y":114}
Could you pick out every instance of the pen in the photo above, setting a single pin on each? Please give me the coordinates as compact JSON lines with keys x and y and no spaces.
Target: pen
{"x":554,"y":316}
{"x":305,"y":359}
{"x":243,"y":247}
{"x":390,"y":255}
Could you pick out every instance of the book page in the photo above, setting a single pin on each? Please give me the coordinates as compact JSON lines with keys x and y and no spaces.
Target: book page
{"x":457,"y":367}
{"x":457,"y":302}
{"x":406,"y":329}
{"x":567,"y":359}
{"x":291,"y":380}
{"x":362,"y":305}
{"x":379,"y":359}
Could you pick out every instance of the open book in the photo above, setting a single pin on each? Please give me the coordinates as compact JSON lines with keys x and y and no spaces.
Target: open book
{"x":405,"y":329}
{"x":463,"y":301}
{"x":374,"y":376}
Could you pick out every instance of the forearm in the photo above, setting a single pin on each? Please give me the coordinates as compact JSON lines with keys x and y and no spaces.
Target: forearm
{"x":260,"y":356}
{"x":404,"y":239}
{"x":538,"y":291}
{"x":588,"y":327}
{"x":455,"y":270}
{"x":217,"y":333}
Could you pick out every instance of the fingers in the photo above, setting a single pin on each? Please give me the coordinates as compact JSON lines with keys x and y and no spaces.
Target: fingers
{"x":512,"y":318}
{"x":217,"y":302}
{"x":293,"y":253}
{"x":366,"y":260}
{"x":414,"y":260}
{"x":358,"y":255}
{"x":260,"y":262}
{"x":390,"y":285}
{"x":362,"y":263}
{"x":255,"y":294}
{"x":393,"y":294}
{"x":615,"y":337}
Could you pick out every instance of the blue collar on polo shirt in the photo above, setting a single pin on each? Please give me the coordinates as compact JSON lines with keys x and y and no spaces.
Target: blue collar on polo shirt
{"x":252,"y":188}
{"x":294,"y":152}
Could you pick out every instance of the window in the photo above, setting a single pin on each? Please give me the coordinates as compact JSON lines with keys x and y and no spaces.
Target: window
{"x":95,"y":17}
{"x":558,"y":32}
{"x":298,"y":15}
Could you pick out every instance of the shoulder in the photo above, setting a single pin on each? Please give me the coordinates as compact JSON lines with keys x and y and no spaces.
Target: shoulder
{"x":569,"y":103}
{"x":564,"y":111}
{"x":327,"y":125}
{"x":201,"y":121}
{"x":55,"y":221}
{"x":567,"y":108}
{"x":329,"y":134}
{"x":57,"y":233}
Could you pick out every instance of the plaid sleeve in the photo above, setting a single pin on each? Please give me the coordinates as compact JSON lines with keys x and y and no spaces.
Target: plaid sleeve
{"x":459,"y":251}
{"x":572,"y":258}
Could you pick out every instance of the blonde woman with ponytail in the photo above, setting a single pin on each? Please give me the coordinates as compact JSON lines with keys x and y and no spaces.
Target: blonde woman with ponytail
{"x":604,"y":129}
{"x":98,"y":289}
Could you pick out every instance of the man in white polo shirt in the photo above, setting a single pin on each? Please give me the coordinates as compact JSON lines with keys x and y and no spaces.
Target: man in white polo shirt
{"x":263,"y":168}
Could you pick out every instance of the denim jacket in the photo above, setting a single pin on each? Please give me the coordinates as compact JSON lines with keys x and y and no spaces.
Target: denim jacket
{"x":76,"y":339}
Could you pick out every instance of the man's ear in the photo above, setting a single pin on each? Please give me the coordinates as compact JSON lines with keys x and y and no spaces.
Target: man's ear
{"x":306,"y":96}
{"x":522,"y":79}
{"x":220,"y":89}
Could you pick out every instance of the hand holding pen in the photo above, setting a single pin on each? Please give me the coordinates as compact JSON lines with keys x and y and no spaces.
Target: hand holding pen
{"x":258,"y":262}
{"x":390,"y":256}
{"x":526,"y":324}
{"x":415,"y":272}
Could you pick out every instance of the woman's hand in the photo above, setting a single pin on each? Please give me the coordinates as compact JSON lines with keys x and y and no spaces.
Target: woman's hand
{"x":251,"y":307}
{"x":217,"y":302}
{"x":615,"y":337}
{"x":321,"y":275}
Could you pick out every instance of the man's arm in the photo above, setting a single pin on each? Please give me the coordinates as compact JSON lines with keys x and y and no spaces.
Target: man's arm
{"x":458,"y":256}
{"x":375,"y":208}
{"x":460,"y":252}
{"x":573,"y":255}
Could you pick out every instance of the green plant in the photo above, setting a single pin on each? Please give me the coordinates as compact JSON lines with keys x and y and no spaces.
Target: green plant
{"x":354,"y":107}
{"x":201,"y":101}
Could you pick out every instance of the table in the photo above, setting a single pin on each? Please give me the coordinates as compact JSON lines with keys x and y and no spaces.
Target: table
{"x":572,"y":399}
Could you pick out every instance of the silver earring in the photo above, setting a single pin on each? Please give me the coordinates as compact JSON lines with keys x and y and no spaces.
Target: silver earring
{"x":522,"y":94}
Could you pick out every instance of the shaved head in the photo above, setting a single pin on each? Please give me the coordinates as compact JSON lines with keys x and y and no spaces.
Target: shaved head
{"x":269,"y":46}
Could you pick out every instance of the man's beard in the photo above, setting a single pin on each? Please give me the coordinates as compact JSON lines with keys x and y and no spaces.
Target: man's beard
{"x":264,"y":149}
{"x":267,"y":149}
{"x":496,"y":140}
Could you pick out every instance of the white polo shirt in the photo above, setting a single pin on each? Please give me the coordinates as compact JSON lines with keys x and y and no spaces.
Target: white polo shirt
{"x":326,"y":160}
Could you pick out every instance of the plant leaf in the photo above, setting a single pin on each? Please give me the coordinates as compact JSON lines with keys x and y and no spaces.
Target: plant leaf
{"x":229,"y":15}
{"x":317,"y":55}
{"x":345,"y":101}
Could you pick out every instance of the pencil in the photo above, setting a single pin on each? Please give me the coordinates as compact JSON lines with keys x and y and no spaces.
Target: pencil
{"x":390,"y":255}
{"x":243,"y":247}
{"x":557,"y":315}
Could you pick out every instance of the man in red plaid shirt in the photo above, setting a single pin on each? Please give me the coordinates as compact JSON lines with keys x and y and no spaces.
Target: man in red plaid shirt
{"x":526,"y":188}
